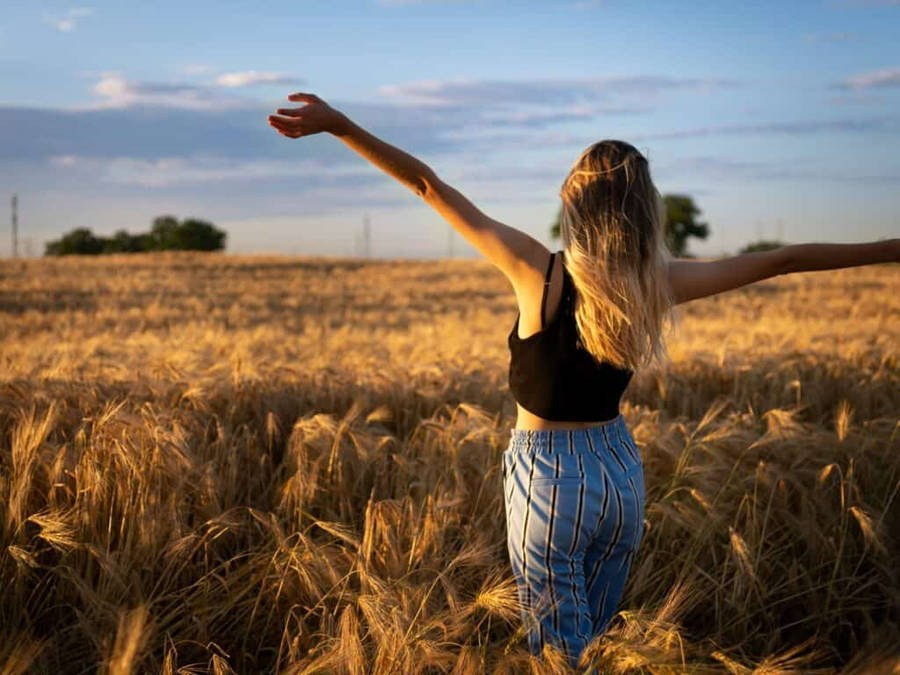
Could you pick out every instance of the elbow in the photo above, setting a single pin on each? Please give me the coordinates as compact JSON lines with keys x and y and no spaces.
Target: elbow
{"x":425,"y":183}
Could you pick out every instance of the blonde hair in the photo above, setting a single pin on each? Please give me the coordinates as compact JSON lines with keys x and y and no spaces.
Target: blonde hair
{"x":611,"y":226}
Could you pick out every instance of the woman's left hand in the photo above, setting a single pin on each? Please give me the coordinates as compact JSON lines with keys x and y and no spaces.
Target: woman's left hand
{"x":313,"y":118}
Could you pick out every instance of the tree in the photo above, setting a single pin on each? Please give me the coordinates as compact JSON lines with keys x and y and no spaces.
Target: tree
{"x":554,"y":230}
{"x":165,"y":235}
{"x":198,"y":235}
{"x":80,"y":240}
{"x":680,"y":223}
{"x":123,"y":242}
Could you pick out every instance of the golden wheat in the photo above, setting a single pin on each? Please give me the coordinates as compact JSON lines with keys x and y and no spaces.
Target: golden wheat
{"x":262,"y":464}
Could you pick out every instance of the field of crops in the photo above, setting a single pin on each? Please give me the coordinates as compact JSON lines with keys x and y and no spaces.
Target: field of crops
{"x":224,"y":464}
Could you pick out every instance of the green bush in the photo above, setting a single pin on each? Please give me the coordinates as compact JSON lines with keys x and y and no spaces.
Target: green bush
{"x":166,"y":234}
{"x":80,"y":240}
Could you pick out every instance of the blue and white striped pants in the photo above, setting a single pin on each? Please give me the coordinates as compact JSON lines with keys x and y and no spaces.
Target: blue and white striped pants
{"x":574,"y":518}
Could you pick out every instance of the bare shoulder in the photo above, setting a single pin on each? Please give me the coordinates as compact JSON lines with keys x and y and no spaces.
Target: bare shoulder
{"x":531,"y":269}
{"x":515,"y":253}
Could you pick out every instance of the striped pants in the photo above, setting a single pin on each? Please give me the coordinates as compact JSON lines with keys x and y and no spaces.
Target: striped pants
{"x":574,"y":519}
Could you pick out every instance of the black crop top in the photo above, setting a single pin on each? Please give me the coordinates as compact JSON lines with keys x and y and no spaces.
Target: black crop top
{"x":553,"y":376}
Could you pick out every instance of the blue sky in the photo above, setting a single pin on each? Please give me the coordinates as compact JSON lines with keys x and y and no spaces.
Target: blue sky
{"x":776,"y":117}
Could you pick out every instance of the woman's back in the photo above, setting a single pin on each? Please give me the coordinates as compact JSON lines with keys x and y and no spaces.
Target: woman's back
{"x":551,"y":375}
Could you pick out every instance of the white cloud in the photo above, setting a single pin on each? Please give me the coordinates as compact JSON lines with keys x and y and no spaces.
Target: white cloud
{"x":167,"y":171}
{"x":63,"y":160}
{"x":886,"y":77}
{"x":68,"y":21}
{"x":857,"y":98}
{"x":543,"y":91}
{"x":250,"y":77}
{"x":117,"y":92}
{"x":788,"y":168}
{"x":800,"y":127}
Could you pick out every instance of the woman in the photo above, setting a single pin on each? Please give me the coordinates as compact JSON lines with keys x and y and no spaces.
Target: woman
{"x":589,"y":315}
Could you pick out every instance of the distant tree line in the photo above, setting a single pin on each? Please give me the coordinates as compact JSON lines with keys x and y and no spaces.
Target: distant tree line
{"x":167,"y":234}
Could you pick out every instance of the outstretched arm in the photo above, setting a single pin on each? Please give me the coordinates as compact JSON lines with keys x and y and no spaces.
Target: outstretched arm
{"x":512,"y":251}
{"x":317,"y":116}
{"x":692,"y":279}
{"x":810,"y":257}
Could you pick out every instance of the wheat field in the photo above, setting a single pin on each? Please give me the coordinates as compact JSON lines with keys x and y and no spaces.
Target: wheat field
{"x":260,"y":464}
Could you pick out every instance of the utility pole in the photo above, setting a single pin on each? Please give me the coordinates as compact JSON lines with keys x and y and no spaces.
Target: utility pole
{"x":15,"y":226}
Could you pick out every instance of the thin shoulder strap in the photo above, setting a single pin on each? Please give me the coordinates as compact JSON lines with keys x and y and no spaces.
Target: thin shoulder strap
{"x":546,"y":284}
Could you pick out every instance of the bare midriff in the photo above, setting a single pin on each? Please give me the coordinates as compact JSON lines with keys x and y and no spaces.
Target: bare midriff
{"x":528,"y":420}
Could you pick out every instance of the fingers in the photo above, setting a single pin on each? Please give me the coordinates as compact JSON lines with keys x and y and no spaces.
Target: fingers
{"x":290,"y":128}
{"x":288,"y":120}
{"x":290,"y":134}
{"x":284,"y":120}
{"x":309,"y":98}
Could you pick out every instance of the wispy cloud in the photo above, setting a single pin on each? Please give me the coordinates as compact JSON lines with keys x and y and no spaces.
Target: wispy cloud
{"x":800,"y":127}
{"x":544,"y":91}
{"x":67,"y":22}
{"x":542,"y":117}
{"x":886,"y":77}
{"x":250,"y":77}
{"x":117,"y":92}
{"x":175,"y":170}
{"x":857,"y":98}
{"x":148,"y":121}
{"x":207,"y":169}
{"x":720,"y":168}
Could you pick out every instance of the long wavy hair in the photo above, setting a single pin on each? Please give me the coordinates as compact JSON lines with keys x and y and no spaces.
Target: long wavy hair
{"x":611,"y":227}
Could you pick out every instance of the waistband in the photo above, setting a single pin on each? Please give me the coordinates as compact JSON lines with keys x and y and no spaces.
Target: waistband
{"x":610,"y":434}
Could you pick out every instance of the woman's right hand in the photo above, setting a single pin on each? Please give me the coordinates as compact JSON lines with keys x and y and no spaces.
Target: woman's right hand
{"x":313,"y":118}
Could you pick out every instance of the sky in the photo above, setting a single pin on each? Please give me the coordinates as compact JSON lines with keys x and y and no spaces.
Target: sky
{"x":780,"y":119}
